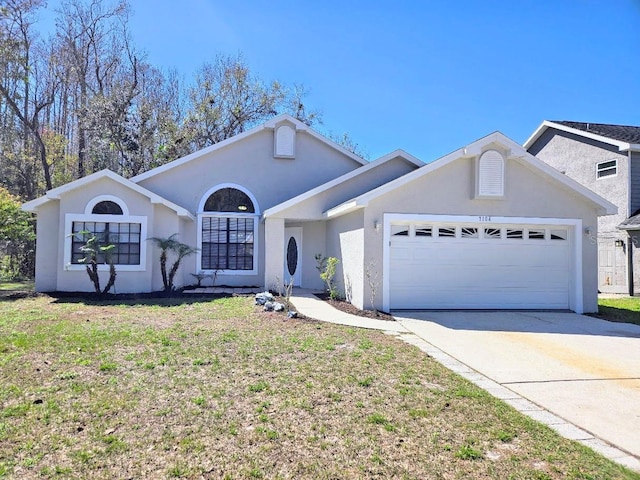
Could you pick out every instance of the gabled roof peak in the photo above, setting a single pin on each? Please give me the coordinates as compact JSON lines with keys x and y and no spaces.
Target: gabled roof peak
{"x":623,"y":133}
{"x":269,"y":124}
{"x":625,"y":137}
{"x":56,"y":193}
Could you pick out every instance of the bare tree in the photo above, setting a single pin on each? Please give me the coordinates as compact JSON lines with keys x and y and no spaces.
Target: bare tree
{"x":16,"y":65}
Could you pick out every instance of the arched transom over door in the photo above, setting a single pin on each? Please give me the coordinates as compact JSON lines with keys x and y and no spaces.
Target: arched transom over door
{"x":228,"y":225}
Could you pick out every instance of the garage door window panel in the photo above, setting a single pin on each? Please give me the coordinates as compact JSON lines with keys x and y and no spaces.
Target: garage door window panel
{"x":400,"y":230}
{"x":559,"y":235}
{"x":424,"y":231}
{"x":536,"y":234}
{"x":493,"y":233}
{"x":446,"y":232}
{"x":468,"y":232}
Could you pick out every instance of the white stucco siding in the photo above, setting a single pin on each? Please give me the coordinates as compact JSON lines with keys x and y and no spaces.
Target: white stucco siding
{"x":187,"y":229}
{"x":47,"y":247}
{"x":162,"y":224}
{"x":140,"y":278}
{"x":450,"y":191}
{"x":345,"y":240}
{"x":250,"y":163}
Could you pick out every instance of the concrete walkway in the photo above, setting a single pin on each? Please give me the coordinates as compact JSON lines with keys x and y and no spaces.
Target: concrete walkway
{"x":528,"y":384}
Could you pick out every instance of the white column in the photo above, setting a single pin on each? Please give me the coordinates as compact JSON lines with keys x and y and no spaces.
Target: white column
{"x":273,"y":251}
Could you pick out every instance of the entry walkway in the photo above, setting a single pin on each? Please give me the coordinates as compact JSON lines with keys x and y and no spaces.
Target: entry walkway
{"x":418,"y":332}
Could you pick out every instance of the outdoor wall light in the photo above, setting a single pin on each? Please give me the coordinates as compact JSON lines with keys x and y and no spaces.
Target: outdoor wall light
{"x":588,"y":230}
{"x":619,"y":243}
{"x":376,"y":225}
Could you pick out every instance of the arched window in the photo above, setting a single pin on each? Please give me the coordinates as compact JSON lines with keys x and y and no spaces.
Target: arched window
{"x":229,"y":200}
{"x":107,"y":207}
{"x":228,"y":226}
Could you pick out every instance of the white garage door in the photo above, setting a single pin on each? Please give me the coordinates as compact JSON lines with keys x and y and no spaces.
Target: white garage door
{"x":469,"y":266}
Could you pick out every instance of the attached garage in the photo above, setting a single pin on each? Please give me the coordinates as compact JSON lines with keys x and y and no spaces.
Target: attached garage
{"x":487,"y":226}
{"x":479,"y":263}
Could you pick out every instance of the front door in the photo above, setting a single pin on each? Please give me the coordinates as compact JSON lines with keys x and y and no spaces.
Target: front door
{"x":292,"y":255}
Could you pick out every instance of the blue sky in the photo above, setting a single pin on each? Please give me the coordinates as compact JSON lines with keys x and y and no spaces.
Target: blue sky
{"x":425,"y":76}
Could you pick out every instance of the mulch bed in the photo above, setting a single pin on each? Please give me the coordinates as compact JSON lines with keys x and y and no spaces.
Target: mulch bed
{"x":346,"y":307}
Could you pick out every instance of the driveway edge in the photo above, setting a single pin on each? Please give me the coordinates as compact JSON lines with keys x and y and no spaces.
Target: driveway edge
{"x":562,"y":427}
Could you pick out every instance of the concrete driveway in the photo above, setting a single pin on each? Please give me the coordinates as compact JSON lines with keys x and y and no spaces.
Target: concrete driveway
{"x":584,"y":370}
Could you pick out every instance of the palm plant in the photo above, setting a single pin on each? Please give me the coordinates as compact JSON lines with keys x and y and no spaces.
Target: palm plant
{"x":92,"y":249}
{"x":181,"y":250}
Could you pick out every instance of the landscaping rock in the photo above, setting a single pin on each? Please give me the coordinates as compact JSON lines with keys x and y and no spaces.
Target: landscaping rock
{"x":263,"y":298}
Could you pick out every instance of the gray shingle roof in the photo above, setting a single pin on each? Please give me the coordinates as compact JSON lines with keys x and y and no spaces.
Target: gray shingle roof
{"x":631,"y":223}
{"x":622,"y":133}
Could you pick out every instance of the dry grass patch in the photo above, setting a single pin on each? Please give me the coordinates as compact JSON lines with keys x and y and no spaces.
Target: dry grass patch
{"x":219,"y":389}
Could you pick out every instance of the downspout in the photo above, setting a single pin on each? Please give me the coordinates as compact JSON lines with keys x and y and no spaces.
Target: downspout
{"x":630,"y":262}
{"x":629,"y":235}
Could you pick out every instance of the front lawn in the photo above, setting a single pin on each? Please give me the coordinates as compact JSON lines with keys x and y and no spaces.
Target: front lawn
{"x":188,"y":388}
{"x":623,"y":309}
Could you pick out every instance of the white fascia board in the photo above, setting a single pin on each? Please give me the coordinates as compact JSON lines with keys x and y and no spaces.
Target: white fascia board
{"x":347,"y":207}
{"x":517,"y":152}
{"x":471,"y":150}
{"x":634,"y":147}
{"x":32,"y":205}
{"x":605,"y":206}
{"x":270,"y":124}
{"x":273,"y":211}
{"x":56,"y":193}
{"x":425,"y":169}
{"x":622,"y":146}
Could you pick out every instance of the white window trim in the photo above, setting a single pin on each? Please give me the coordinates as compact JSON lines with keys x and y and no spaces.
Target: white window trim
{"x":256,"y":237}
{"x":574,"y":226}
{"x":69,"y":218}
{"x":106,"y":198}
{"x":598,"y":177}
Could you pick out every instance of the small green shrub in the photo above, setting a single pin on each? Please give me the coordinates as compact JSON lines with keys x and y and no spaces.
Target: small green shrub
{"x":327,"y":267}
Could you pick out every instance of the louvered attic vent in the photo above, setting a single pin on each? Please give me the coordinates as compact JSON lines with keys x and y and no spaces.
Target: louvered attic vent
{"x":490,"y":175}
{"x":285,"y":141}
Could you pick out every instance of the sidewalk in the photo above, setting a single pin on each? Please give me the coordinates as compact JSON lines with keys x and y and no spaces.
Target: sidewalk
{"x":311,"y":306}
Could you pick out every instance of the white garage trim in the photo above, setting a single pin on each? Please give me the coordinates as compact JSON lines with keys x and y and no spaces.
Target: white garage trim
{"x":575,"y":234}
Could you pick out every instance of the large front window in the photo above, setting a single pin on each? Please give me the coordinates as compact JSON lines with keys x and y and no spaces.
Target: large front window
{"x":106,"y":218}
{"x":227,"y":243}
{"x":228,"y":225}
{"x":125,"y":237}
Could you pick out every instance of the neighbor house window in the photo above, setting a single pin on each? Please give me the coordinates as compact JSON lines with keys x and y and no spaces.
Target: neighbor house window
{"x":107,"y":218}
{"x":228,"y":225}
{"x":607,"y":169}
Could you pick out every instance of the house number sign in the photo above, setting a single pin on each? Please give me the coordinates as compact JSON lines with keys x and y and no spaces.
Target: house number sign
{"x":484,"y":219}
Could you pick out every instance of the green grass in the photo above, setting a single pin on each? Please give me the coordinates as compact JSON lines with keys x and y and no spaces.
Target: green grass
{"x":16,"y":286}
{"x":623,"y":309}
{"x":177,"y":388}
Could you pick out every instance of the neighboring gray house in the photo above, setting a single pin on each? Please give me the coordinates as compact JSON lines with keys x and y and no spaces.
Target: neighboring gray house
{"x":486,"y":226}
{"x":606,"y":159}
